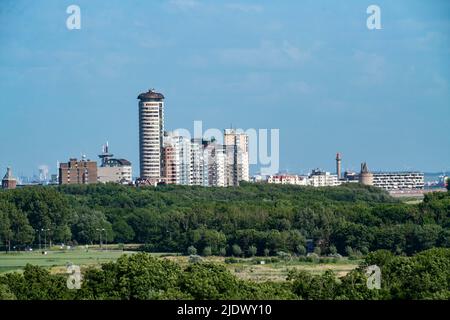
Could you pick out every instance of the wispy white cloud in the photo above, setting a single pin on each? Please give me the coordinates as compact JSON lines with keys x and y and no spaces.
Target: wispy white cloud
{"x":267,"y":54}
{"x":184,"y":4}
{"x":243,"y":7}
{"x":372,"y":67}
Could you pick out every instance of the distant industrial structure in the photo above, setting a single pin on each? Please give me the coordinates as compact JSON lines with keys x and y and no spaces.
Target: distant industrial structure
{"x":8,"y":181}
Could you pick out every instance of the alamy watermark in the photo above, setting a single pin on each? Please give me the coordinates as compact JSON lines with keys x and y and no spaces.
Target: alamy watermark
{"x":74,"y":278}
{"x":73,"y":21}
{"x":373,"y":274}
{"x":374,"y":20}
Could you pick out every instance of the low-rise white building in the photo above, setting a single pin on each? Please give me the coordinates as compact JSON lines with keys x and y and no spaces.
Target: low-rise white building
{"x":320,"y":178}
{"x":288,"y":179}
{"x":398,"y":180}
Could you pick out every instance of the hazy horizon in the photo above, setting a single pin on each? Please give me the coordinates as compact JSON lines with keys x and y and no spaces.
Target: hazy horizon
{"x":311,"y":69}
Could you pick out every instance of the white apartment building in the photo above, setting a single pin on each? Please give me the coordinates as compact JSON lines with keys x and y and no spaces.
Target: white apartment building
{"x":323,"y":179}
{"x":151,"y":129}
{"x":205,"y":163}
{"x":288,"y":179}
{"x":199,"y":167}
{"x":398,"y":180}
{"x":184,"y":161}
{"x":216,"y":162}
{"x":180,"y":158}
{"x":236,"y":146}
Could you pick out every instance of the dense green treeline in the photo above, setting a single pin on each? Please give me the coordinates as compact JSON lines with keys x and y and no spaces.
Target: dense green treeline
{"x":253,"y":219}
{"x":425,"y":275}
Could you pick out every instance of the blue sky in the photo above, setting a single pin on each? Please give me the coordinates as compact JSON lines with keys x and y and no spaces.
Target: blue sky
{"x":310,"y":68}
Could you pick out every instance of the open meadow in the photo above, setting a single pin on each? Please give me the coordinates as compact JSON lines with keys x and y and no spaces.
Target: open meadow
{"x":256,"y":269}
{"x":56,"y":260}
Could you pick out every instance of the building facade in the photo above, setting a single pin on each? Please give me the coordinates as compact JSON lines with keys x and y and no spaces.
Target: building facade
{"x":113,"y":170}
{"x":216,"y":161}
{"x":236,"y":148}
{"x":116,"y":171}
{"x":78,"y":172}
{"x":151,"y":130}
{"x":8,"y":181}
{"x":399,"y":180}
{"x":199,"y":167}
{"x":320,"y":178}
{"x":288,"y":179}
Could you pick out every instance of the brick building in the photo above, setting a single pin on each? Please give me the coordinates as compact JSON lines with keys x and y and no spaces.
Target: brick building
{"x":78,"y":172}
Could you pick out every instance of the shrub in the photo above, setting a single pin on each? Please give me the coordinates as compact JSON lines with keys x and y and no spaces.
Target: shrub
{"x":317,"y":250}
{"x":237,"y":251}
{"x":333,"y":250}
{"x":191,"y":250}
{"x":252,"y":250}
{"x":231,"y":260}
{"x":195,"y":259}
{"x":301,"y":250}
{"x":207,"y":251}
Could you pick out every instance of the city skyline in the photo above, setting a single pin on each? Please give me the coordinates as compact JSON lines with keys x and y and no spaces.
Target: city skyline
{"x":379,"y":96}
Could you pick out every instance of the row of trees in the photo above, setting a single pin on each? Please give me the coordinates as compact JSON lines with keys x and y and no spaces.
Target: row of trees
{"x":141,"y":276}
{"x":261,"y":217}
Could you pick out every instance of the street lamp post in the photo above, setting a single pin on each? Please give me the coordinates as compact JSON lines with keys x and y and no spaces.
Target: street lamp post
{"x":101,"y":230}
{"x":45,"y":237}
{"x":39,"y":235}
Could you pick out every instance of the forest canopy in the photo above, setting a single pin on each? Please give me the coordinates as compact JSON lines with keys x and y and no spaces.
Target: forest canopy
{"x":252,"y":219}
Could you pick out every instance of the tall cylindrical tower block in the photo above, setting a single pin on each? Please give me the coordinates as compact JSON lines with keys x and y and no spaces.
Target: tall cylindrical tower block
{"x":151,"y":130}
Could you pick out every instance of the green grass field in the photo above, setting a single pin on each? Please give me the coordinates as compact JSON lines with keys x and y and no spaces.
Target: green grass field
{"x":275,"y":271}
{"x":57,"y":258}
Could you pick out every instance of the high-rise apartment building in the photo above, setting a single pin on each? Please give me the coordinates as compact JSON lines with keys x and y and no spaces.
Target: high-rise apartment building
{"x":215,"y":158}
{"x":169,"y":163}
{"x":199,"y":167}
{"x":183,"y":161}
{"x":151,"y":130}
{"x":78,"y":172}
{"x":236,"y":148}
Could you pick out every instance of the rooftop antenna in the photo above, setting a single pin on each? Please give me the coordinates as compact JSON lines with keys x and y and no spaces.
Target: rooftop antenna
{"x":105,"y":155}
